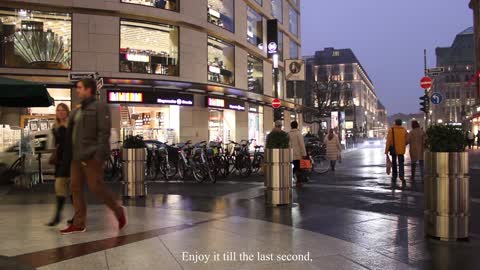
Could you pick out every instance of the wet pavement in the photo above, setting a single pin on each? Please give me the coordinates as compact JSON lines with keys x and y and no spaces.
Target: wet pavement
{"x":371,"y":226}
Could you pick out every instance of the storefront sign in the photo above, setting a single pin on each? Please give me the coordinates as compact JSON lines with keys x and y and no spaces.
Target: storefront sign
{"x":125,"y":97}
{"x":225,"y":104}
{"x":175,"y":99}
{"x":138,"y":58}
{"x":272,"y":37}
{"x":214,"y":69}
{"x":253,"y":108}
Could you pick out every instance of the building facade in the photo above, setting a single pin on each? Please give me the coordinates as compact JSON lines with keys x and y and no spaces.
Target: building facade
{"x":172,"y":70}
{"x":454,"y":84}
{"x":475,"y":117}
{"x":338,"y":83}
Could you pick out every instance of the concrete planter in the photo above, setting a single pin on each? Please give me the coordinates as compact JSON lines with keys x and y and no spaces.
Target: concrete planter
{"x":134,"y":161}
{"x":447,"y":197}
{"x":278,"y":177}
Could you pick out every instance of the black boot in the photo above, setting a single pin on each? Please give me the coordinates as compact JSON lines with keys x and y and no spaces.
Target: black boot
{"x":58,"y":212}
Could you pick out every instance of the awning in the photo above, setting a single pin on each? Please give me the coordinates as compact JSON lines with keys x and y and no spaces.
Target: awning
{"x":16,"y":93}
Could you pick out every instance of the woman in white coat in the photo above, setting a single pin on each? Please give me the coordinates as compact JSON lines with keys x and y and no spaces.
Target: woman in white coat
{"x":298,"y":145}
{"x":334,"y":148}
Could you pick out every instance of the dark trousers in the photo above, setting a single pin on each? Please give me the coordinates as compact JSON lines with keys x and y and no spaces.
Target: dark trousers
{"x":296,"y":170}
{"x":332,"y":164}
{"x":398,"y":160}
{"x":414,"y":167}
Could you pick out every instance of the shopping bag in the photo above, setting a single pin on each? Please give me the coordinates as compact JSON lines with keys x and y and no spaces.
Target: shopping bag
{"x":388,"y":165}
{"x":305,"y":164}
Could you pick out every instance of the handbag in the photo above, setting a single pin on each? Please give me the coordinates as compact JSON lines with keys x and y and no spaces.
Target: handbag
{"x":305,"y":164}
{"x":388,"y":165}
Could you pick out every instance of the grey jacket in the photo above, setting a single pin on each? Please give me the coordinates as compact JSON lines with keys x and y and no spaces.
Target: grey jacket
{"x":89,"y":136}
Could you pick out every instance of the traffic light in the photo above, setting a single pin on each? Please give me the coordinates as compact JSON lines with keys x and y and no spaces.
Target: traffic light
{"x":425,"y":104}
{"x":278,"y":114}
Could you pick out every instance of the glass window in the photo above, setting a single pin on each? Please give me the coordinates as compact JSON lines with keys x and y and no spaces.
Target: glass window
{"x":164,"y":4}
{"x":148,"y":48}
{"x":254,"y":27}
{"x":293,"y":20}
{"x":293,"y":50}
{"x":35,"y":39}
{"x":221,"y":61}
{"x":221,"y":13}
{"x":255,"y":74}
{"x":280,"y":46}
{"x":277,"y":10}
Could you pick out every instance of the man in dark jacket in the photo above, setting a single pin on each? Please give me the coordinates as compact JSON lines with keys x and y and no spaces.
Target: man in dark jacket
{"x":88,"y":147}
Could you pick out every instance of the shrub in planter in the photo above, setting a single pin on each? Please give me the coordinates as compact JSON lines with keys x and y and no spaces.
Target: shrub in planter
{"x":134,"y":142}
{"x":278,"y":140}
{"x":444,"y":138}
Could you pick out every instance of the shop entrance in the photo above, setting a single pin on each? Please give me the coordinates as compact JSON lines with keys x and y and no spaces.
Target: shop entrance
{"x":221,"y":125}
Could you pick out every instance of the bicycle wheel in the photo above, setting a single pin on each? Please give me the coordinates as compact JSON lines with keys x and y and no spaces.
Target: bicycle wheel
{"x":197,"y":172}
{"x":208,"y":173}
{"x":172,"y":169}
{"x":245,"y":166}
{"x":223,"y":166}
{"x":320,"y":164}
{"x":182,"y":170}
{"x":257,"y":163}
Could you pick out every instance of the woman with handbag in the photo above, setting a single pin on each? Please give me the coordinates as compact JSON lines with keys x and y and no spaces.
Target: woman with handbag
{"x":334,"y":149}
{"x":62,"y":165}
{"x":297,"y":143}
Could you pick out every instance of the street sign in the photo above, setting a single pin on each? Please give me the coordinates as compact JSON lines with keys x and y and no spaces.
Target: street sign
{"x":426,"y":82}
{"x":435,"y":70}
{"x":77,"y":76}
{"x":276,"y":103}
{"x":295,"y":70}
{"x":436,"y":98}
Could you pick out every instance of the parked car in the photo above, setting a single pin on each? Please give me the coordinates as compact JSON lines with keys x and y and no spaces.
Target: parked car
{"x":10,"y":160}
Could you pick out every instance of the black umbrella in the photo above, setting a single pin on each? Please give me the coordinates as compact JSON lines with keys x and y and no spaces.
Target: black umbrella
{"x":16,"y":93}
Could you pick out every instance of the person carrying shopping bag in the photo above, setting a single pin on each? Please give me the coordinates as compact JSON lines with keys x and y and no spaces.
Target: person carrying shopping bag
{"x":334,"y":148}
{"x":297,"y":143}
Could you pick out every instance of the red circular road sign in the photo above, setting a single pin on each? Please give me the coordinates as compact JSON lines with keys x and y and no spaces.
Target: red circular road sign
{"x":276,"y":103}
{"x":426,"y":82}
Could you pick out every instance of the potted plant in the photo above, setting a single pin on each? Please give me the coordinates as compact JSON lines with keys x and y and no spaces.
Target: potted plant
{"x":134,"y":156}
{"x":446,"y":184}
{"x":278,"y":169}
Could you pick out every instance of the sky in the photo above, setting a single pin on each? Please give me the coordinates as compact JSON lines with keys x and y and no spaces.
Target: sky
{"x":388,"y":37}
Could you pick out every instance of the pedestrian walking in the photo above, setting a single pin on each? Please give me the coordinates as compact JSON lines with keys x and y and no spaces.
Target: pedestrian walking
{"x":297,"y":143}
{"x":416,"y":141}
{"x":470,"y":139}
{"x":88,"y":146}
{"x":61,"y":163}
{"x":334,"y":148}
{"x":396,"y":146}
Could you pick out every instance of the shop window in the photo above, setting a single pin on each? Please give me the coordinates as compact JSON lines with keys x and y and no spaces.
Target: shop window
{"x":221,"y":13}
{"x":163,"y":4}
{"x":221,"y":61}
{"x":59,"y":95}
{"x":35,"y":39}
{"x":293,"y":20}
{"x":293,"y":49}
{"x":255,"y":74}
{"x":148,"y":48}
{"x":277,"y":10}
{"x":254,"y":28}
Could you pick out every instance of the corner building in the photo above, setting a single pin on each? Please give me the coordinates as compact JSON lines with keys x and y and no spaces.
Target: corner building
{"x":172,"y":70}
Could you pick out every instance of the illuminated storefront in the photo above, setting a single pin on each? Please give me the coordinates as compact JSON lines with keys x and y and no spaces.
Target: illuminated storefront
{"x":255,"y":124}
{"x":222,"y":118}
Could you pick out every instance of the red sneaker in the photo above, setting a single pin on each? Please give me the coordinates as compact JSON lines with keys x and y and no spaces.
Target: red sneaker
{"x":72,"y":229}
{"x":122,"y":220}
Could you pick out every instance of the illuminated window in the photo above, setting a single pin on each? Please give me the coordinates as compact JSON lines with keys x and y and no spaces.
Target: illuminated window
{"x":254,"y":27}
{"x":35,"y":39}
{"x":163,"y":4}
{"x":255,"y":74}
{"x":221,"y":13}
{"x":221,"y":61}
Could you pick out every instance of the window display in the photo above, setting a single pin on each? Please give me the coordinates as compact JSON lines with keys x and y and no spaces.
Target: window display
{"x":255,"y":74}
{"x":35,"y":39}
{"x":221,"y":61}
{"x":215,"y":126}
{"x":164,"y":4}
{"x":277,"y":10}
{"x":221,"y":13}
{"x":148,"y":48}
{"x":293,"y":50}
{"x":255,"y":125}
{"x":254,"y":28}
{"x":293,"y":20}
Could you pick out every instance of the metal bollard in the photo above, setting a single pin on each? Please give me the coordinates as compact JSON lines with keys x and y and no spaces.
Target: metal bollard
{"x":134,"y":172}
{"x":278,"y":177}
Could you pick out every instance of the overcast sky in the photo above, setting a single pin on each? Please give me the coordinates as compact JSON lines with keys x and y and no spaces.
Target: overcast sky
{"x":388,"y":37}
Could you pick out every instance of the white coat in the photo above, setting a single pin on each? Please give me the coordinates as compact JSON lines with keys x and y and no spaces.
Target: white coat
{"x":297,"y":144}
